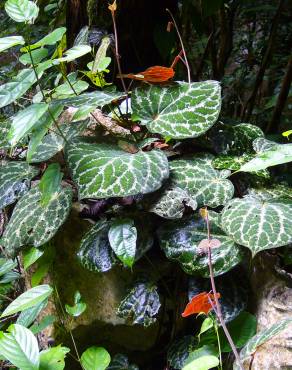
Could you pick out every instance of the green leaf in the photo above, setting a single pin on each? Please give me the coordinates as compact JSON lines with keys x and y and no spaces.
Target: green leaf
{"x":10,"y":41}
{"x":180,"y":240}
{"x":179,"y":351}
{"x":123,"y":240}
{"x":287,"y":133}
{"x":53,"y":358}
{"x":95,"y":358}
{"x":28,"y":299}
{"x":50,"y":39}
{"x":64,"y":90}
{"x":30,"y":256}
{"x":121,"y":362}
{"x":14,"y":181}
{"x":179,"y":111}
{"x":141,"y":304}
{"x":95,"y":252}
{"x":6,"y":265}
{"x":241,"y":329}
{"x":75,"y":52}
{"x":229,"y":162}
{"x":50,"y":183}
{"x":20,"y":347}
{"x":4,"y":129}
{"x":22,"y":10}
{"x":260,"y":339}
{"x":203,"y":358}
{"x":24,"y":120}
{"x":36,"y":56}
{"x":206,"y":325}
{"x":32,"y":224}
{"x":258,"y":223}
{"x":28,"y":316}
{"x":44,"y":146}
{"x":104,"y":171}
{"x":79,"y":306}
{"x":9,"y":277}
{"x":170,"y":202}
{"x":43,"y":324}
{"x":208,"y":186}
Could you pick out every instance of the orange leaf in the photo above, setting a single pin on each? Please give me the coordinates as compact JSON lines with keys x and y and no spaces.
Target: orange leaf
{"x":156,"y":74}
{"x":200,"y":303}
{"x":113,"y":7}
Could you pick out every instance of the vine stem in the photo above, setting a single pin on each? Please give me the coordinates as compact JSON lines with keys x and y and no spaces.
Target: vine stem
{"x":218,"y":306}
{"x":182,"y":45}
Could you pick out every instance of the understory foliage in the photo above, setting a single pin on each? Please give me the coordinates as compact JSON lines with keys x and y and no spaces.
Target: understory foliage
{"x":148,"y":160}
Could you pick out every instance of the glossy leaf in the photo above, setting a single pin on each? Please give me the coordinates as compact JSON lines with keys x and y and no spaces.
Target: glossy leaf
{"x":28,"y":299}
{"x":33,"y":224}
{"x":104,"y":171}
{"x":123,"y":240}
{"x":14,"y":181}
{"x":30,"y":256}
{"x":53,"y":358}
{"x":34,"y":57}
{"x":10,"y":41}
{"x":257,"y":223}
{"x":20,"y":347}
{"x":179,"y":351}
{"x":78,"y":308}
{"x":6,"y":265}
{"x":208,"y":186}
{"x":28,"y":316}
{"x":74,"y":53}
{"x":95,"y":358}
{"x":203,"y":358}
{"x":50,"y":39}
{"x":180,"y":240}
{"x":180,"y":110}
{"x":121,"y":362}
{"x":24,"y":120}
{"x":22,"y":10}
{"x":141,"y":304}
{"x":50,"y":183}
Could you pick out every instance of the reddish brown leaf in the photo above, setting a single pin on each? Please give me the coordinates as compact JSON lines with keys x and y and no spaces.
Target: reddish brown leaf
{"x":200,"y":303}
{"x":156,"y":74}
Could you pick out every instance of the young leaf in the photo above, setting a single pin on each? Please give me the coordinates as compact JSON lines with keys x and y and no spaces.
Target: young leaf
{"x":78,"y":308}
{"x":203,"y":358}
{"x":206,"y":325}
{"x":10,"y":41}
{"x":22,"y":10}
{"x":75,"y":52}
{"x":20,"y":347}
{"x":30,"y":256}
{"x":28,"y":299}
{"x":95,"y":358}
{"x":24,"y":120}
{"x":200,"y":303}
{"x":50,"y":183}
{"x":53,"y":358}
{"x":123,"y":239}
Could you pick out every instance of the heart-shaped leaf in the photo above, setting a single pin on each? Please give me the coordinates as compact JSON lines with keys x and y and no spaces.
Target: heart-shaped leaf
{"x":181,"y":241}
{"x":53,"y":358}
{"x":95,"y":358}
{"x":22,"y":10}
{"x":10,"y":41}
{"x":208,"y":186}
{"x":34,"y":224}
{"x":203,"y":358}
{"x":104,"y":171}
{"x":20,"y":347}
{"x":15,"y":181}
{"x":258,"y":223}
{"x":179,"y":351}
{"x":79,"y":306}
{"x":141,"y":304}
{"x":180,"y":110}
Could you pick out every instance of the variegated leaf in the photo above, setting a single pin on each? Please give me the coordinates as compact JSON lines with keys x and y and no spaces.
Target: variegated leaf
{"x":141,"y":304}
{"x":180,"y":110}
{"x":260,"y":339}
{"x":233,"y":289}
{"x":179,"y":351}
{"x":229,"y":162}
{"x":208,"y":186}
{"x":171,"y":202}
{"x":121,"y":362}
{"x":14,"y":181}
{"x":180,"y":240}
{"x":4,"y":129}
{"x":104,"y":171}
{"x":32,"y":224}
{"x":258,"y":223}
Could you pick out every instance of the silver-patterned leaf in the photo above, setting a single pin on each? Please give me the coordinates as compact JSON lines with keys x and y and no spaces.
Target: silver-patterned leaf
{"x":233,"y":289}
{"x":171,"y":202}
{"x":208,"y":186}
{"x":229,"y":162}
{"x":261,"y":144}
{"x":32,"y":224}
{"x":14,"y":181}
{"x":180,"y":350}
{"x":104,"y":171}
{"x":258,"y":223}
{"x":260,"y":339}
{"x":180,"y":240}
{"x":181,"y":110}
{"x":121,"y":362}
{"x":4,"y":129}
{"x":95,"y":252}
{"x":141,"y":304}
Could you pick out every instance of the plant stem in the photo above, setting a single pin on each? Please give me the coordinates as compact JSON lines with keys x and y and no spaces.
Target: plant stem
{"x":219,"y":344}
{"x":182,"y":46}
{"x":218,"y":306}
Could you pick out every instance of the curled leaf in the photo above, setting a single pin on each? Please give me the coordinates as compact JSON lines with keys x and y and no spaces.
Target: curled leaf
{"x":156,"y":74}
{"x":202,"y":302}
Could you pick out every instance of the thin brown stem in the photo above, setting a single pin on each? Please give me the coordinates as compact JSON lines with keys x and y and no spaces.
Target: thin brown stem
{"x":182,"y":45}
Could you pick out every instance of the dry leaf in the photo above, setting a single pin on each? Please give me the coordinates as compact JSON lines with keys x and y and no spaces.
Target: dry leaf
{"x":113,"y":7}
{"x":200,"y":303}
